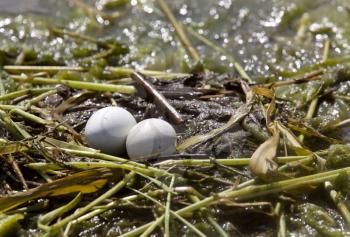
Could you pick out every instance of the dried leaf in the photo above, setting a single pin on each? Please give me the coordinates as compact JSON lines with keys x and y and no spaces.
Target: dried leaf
{"x":269,"y":112}
{"x":262,"y":161}
{"x":64,"y":145}
{"x":293,"y":141}
{"x":238,"y":116}
{"x":14,"y":147}
{"x":263,"y":91}
{"x":85,"y":182}
{"x":309,"y":131}
{"x":241,"y":112}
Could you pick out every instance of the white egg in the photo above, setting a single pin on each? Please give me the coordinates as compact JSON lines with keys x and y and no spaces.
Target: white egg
{"x":151,"y":137}
{"x":107,"y":129}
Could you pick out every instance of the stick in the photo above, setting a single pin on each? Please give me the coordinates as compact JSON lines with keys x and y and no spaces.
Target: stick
{"x":158,"y":98}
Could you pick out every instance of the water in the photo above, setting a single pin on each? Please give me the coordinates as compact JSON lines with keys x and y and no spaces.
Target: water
{"x":265,"y":37}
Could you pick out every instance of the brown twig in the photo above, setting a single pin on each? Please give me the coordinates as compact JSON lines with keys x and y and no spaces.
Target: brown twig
{"x":158,"y":98}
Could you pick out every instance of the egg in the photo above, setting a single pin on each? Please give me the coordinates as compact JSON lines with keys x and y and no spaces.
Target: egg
{"x":108,"y":128}
{"x":151,"y":137}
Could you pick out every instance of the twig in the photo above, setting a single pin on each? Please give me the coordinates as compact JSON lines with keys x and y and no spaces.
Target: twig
{"x":158,"y":98}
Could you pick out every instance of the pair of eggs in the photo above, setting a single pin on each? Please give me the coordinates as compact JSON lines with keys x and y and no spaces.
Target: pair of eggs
{"x":113,"y":130}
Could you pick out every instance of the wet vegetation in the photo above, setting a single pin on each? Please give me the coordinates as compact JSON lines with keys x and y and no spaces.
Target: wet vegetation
{"x":258,"y":92}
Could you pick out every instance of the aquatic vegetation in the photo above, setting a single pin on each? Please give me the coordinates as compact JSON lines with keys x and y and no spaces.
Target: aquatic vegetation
{"x":257,"y":91}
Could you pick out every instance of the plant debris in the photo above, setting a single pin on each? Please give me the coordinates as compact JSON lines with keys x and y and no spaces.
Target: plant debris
{"x":259,"y":101}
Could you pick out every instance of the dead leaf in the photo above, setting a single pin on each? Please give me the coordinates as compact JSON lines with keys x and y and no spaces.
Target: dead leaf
{"x":292,"y":140}
{"x":309,"y":131}
{"x":241,"y":112}
{"x":85,"y":182}
{"x":238,"y":116}
{"x":262,"y":161}
{"x":263,"y":91}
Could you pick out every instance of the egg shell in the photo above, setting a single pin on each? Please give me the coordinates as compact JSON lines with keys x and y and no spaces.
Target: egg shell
{"x":107,"y":129}
{"x":151,"y":137}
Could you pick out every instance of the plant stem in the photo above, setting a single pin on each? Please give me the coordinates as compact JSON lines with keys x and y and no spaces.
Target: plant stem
{"x":209,"y":217}
{"x":123,"y":72}
{"x":327,"y":63}
{"x":223,"y":51}
{"x":114,"y":204}
{"x":45,"y":220}
{"x":48,"y":69}
{"x":310,"y":113}
{"x":339,"y":201}
{"x":40,"y":97}
{"x":228,"y":162}
{"x":9,"y":107}
{"x":79,"y":212}
{"x":37,"y":119}
{"x":118,"y":71}
{"x":281,"y":220}
{"x":326,"y":48}
{"x":167,"y":210}
{"x":179,"y":30}
{"x":77,"y":84}
{"x":19,"y":93}
{"x":102,"y":156}
{"x":12,"y":127}
{"x":253,"y":191}
{"x":89,"y":165}
{"x":152,"y":227}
